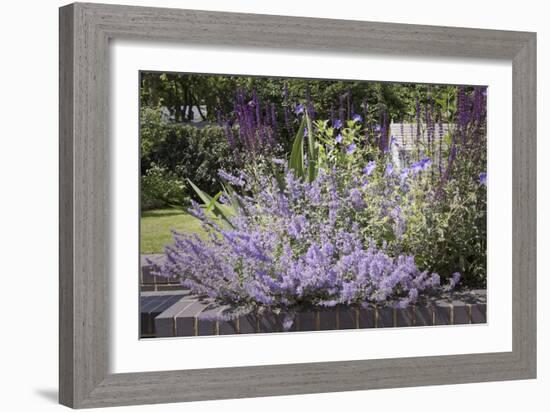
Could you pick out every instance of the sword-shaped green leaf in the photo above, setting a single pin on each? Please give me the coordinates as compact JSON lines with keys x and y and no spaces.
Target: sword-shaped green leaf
{"x":208,"y":200}
{"x":213,"y":202}
{"x":296,"y":163}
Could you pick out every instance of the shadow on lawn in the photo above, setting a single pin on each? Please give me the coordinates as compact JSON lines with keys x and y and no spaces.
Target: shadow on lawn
{"x":163,"y":213}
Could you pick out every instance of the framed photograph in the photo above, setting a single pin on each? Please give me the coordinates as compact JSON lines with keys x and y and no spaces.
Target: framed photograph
{"x":257,"y":205}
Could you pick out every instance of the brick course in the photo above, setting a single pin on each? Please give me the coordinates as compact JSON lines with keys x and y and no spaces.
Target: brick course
{"x":169,"y":315}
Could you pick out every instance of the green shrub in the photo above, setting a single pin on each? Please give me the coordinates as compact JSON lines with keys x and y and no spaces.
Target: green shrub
{"x":187,"y":152}
{"x":160,"y":188}
{"x":196,"y":153}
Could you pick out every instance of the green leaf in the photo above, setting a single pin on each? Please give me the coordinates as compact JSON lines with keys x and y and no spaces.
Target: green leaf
{"x":203,"y":196}
{"x":213,"y":202}
{"x":296,"y":162}
{"x":218,"y":209}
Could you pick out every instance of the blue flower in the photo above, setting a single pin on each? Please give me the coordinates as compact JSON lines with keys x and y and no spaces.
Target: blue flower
{"x":389,"y":169}
{"x":339,"y":138}
{"x":299,"y":109}
{"x":357,"y":118}
{"x":483,"y":178}
{"x":350,"y":149}
{"x":377,"y":128}
{"x":423,"y":164}
{"x":337,"y":124}
{"x":305,"y":131}
{"x":404,"y":173}
{"x":369,"y":168}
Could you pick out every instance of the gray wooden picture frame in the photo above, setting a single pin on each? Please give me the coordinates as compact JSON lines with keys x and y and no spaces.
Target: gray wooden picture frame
{"x":85,"y":31}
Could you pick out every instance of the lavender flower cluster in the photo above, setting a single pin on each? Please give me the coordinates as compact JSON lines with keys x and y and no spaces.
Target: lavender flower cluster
{"x":294,"y":248}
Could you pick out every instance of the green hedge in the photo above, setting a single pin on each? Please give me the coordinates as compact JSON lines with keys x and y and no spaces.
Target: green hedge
{"x":180,"y":152}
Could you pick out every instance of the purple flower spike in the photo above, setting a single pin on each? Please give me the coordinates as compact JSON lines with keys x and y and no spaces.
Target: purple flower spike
{"x":483,"y":178}
{"x":233,"y":180}
{"x":339,"y":138}
{"x":350,"y":149}
{"x":337,"y":124}
{"x":369,"y":168}
{"x":426,"y":163}
{"x":299,"y":109}
{"x":357,"y":118}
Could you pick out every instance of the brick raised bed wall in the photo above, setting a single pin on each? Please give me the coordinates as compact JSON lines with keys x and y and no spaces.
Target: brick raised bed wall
{"x":149,"y":282}
{"x":168,"y":310}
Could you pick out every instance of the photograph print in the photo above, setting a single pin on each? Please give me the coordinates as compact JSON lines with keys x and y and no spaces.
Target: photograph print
{"x":287,"y":205}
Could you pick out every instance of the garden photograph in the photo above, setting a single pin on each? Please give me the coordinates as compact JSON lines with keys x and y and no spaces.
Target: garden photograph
{"x":274,"y":204}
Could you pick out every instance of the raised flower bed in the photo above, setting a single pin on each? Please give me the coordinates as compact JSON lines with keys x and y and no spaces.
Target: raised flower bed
{"x":169,"y":310}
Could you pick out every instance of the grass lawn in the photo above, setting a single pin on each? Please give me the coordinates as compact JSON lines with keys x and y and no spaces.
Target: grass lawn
{"x":156,"y":225}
